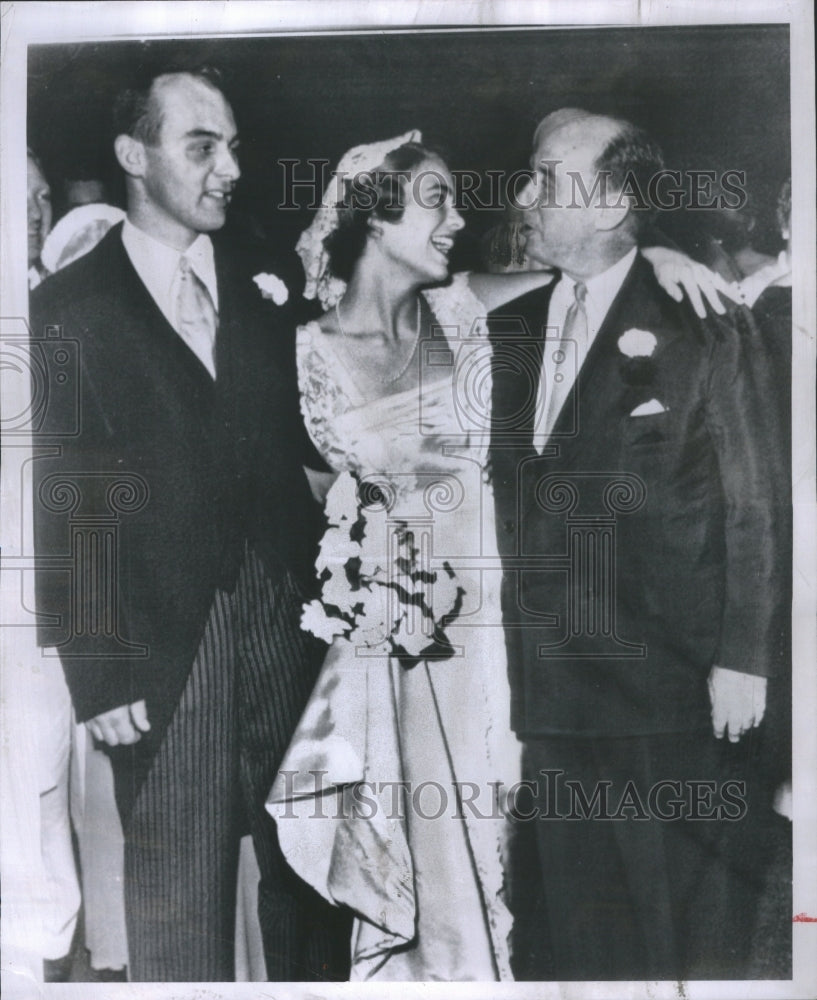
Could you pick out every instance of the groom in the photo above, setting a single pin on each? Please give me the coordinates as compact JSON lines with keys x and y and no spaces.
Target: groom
{"x":178,"y":505}
{"x":641,"y":517}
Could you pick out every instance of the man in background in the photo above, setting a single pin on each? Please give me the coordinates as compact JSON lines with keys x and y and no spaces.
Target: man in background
{"x":51,"y":699}
{"x":38,"y":207}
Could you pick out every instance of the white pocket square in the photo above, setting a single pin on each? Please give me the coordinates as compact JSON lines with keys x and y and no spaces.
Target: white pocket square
{"x":648,"y":408}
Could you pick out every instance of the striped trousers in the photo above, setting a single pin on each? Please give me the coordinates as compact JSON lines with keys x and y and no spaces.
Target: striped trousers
{"x":250,"y":679}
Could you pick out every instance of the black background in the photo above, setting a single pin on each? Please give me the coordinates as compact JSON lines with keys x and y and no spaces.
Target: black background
{"x":714,"y":97}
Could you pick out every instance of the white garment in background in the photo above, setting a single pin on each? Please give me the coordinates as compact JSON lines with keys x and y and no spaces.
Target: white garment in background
{"x":52,"y":703}
{"x":102,"y":853}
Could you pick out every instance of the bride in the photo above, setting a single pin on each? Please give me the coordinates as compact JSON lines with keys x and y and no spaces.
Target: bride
{"x":389,"y":800}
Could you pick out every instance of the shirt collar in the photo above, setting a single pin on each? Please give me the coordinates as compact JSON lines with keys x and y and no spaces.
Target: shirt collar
{"x":602,"y":288}
{"x":157,"y":263}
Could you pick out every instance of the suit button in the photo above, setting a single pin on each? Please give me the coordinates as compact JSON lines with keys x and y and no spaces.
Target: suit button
{"x":509,"y":526}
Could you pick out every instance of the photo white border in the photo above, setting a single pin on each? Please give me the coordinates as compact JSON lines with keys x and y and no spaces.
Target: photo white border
{"x":27,"y":23}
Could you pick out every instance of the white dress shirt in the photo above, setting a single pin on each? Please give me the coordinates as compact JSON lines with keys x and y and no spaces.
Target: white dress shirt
{"x":601,"y":290}
{"x":157,"y":265}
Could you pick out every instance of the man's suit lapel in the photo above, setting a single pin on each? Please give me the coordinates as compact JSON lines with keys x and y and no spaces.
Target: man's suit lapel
{"x":518,"y":338}
{"x":241,"y":374}
{"x":227,"y":320}
{"x":600,"y":392}
{"x":595,"y":390}
{"x":146,"y":318}
{"x":599,"y":396}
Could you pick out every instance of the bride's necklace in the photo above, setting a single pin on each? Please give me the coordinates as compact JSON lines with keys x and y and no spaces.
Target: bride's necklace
{"x":404,"y":367}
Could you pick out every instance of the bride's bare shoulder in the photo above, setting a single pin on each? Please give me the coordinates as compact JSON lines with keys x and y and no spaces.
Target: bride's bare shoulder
{"x":327,"y":324}
{"x":494,"y":290}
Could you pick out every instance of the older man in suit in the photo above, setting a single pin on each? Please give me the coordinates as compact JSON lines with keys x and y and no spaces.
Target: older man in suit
{"x":642,"y":516}
{"x":180,"y":497}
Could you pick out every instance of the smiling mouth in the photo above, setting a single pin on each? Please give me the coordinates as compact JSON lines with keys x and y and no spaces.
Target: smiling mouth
{"x":221,"y":197}
{"x":443,"y":244}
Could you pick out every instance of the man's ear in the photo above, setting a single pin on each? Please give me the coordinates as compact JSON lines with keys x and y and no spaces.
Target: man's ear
{"x":612,"y":215}
{"x":130,"y":153}
{"x":375,"y":227}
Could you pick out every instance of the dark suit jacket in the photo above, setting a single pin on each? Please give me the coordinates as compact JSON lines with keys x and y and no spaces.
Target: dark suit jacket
{"x":638,"y":551}
{"x":206,"y":467}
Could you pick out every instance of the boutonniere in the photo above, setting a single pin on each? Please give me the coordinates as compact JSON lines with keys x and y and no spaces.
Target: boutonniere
{"x":637,"y":343}
{"x":638,"y":347}
{"x":271,"y":287}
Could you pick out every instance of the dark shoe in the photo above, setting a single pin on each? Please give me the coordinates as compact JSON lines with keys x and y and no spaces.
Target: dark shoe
{"x":57,"y":970}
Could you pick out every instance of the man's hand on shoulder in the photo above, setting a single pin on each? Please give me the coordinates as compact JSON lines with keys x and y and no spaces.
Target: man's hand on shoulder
{"x":738,"y":702}
{"x":123,"y":725}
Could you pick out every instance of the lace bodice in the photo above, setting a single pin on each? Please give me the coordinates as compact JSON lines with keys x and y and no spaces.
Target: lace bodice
{"x":447,"y":414}
{"x":413,"y":462}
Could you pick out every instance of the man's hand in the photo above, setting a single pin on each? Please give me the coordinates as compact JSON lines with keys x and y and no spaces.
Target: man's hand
{"x":738,"y":702}
{"x":121,"y":725}
{"x":676,"y":273}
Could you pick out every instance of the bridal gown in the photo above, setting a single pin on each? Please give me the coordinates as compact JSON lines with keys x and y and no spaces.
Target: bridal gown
{"x":387,"y":800}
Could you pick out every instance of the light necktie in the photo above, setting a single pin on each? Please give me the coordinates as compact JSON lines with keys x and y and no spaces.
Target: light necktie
{"x":196,"y":316}
{"x":568,"y":356}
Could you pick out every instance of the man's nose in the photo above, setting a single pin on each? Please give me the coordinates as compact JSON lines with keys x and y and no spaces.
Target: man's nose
{"x":35,"y":212}
{"x":227,"y":164}
{"x":527,"y":197}
{"x":455,"y":220}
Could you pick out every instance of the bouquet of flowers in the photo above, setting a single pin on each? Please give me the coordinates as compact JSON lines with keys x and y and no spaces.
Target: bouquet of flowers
{"x":375,"y":590}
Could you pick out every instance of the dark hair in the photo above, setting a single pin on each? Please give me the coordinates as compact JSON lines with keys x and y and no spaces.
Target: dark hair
{"x":733,"y":228}
{"x":137,"y":114}
{"x":630,"y":159}
{"x":38,"y":163}
{"x":375,"y":194}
